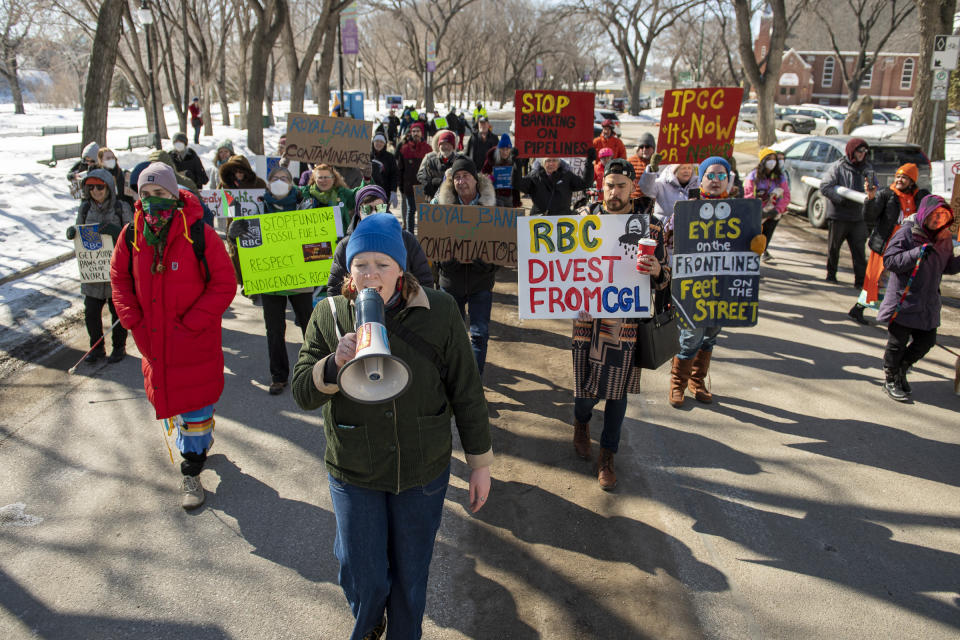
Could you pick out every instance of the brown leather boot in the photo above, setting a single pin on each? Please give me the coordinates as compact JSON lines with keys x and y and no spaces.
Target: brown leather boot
{"x":581,"y":439}
{"x":679,"y":374}
{"x":605,"y":474}
{"x":698,"y":377}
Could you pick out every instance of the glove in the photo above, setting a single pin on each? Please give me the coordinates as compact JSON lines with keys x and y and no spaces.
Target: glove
{"x":71,"y":233}
{"x":237,"y":229}
{"x":393,"y":198}
{"x":759,"y":244}
{"x":591,"y":154}
{"x":111,"y":230}
{"x":654,"y":165}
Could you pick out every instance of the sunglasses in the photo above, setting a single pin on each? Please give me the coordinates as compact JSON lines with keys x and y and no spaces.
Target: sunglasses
{"x":644,"y":146}
{"x":97,"y":187}
{"x":717,"y":176}
{"x":367,"y":209}
{"x":860,"y":150}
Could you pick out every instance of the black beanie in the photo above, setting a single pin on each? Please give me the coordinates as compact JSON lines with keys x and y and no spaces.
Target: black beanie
{"x":463,"y":163}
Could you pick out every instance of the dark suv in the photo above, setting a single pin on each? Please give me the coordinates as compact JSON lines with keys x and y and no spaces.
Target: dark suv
{"x":786,"y":119}
{"x":812,"y":156}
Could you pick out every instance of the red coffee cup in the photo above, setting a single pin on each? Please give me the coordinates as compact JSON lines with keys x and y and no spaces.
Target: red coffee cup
{"x":645,"y":247}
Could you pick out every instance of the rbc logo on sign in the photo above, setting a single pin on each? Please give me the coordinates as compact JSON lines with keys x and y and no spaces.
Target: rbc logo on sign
{"x":90,"y":237}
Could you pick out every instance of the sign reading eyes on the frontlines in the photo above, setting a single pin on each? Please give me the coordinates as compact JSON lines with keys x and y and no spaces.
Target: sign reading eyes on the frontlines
{"x":582,"y":263}
{"x":93,"y":253}
{"x":698,"y":123}
{"x":342,"y":142}
{"x":553,"y":124}
{"x":716,"y":277}
{"x":290,"y":250}
{"x":467,"y":233}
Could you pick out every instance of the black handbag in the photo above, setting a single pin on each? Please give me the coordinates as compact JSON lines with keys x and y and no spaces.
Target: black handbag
{"x":877,"y":242}
{"x":658,"y":339}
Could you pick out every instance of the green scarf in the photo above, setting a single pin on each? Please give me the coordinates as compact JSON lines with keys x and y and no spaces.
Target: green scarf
{"x":325,"y":198}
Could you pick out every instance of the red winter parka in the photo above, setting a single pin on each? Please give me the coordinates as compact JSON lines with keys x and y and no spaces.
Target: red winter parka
{"x":174,"y":314}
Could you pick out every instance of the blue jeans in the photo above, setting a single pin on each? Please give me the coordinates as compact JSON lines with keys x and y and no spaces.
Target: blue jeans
{"x":384,"y":545}
{"x":613,"y":413}
{"x":693,"y":340}
{"x":479,"y":305}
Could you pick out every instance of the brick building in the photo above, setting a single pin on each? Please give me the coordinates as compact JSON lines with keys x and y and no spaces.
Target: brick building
{"x":811,"y":73}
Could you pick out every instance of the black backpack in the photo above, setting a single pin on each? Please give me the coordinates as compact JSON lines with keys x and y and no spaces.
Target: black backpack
{"x":199,"y":246}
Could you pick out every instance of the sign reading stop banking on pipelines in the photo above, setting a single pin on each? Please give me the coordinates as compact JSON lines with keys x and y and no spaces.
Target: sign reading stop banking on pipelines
{"x":290,"y":250}
{"x":588,"y":263}
{"x":553,"y":124}
{"x":716,"y":277}
{"x":698,"y":123}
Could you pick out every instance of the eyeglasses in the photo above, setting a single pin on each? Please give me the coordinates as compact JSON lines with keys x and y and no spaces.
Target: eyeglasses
{"x":324,"y":178}
{"x":367,"y":209}
{"x":860,"y":150}
{"x":97,"y":187}
{"x":717,"y":176}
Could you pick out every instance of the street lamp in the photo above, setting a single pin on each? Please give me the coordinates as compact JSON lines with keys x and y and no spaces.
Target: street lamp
{"x":146,"y":18}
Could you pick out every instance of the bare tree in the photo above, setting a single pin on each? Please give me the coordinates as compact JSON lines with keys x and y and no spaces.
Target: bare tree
{"x":876,"y":20}
{"x":935,"y":17}
{"x":103,"y":58}
{"x":298,"y":67}
{"x":270,"y":17}
{"x":19,"y":20}
{"x":209,"y":22}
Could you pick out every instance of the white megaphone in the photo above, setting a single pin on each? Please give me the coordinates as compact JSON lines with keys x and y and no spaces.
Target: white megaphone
{"x":374,"y":375}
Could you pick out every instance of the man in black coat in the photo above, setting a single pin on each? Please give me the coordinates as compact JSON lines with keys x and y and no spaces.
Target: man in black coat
{"x":187,"y":161}
{"x":552,"y":183}
{"x":481,"y":142}
{"x":845,"y":216}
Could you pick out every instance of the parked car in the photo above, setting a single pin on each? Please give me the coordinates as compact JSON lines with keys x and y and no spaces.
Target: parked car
{"x":786,"y":119}
{"x":829,"y":122}
{"x":812,"y":156}
{"x":620,"y":105}
{"x":888,"y":117}
{"x":599,"y":115}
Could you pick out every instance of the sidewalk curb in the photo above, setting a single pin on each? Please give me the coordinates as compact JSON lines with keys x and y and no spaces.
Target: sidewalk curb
{"x":40,"y":266}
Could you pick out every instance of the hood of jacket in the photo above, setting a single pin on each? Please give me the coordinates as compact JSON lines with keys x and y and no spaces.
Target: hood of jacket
{"x":231,"y":165}
{"x":107,"y":179}
{"x":448,"y":195}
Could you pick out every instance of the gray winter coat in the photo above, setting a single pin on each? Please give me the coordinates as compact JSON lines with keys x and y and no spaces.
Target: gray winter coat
{"x":111,"y":212}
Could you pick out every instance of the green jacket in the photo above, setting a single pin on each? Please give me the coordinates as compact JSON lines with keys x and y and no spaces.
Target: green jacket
{"x":406,"y":443}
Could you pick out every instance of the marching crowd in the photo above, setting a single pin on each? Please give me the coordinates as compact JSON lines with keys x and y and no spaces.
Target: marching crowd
{"x":172,"y":278}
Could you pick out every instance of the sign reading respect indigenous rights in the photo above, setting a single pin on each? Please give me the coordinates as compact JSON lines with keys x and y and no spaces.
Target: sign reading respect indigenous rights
{"x":93,"y":253}
{"x":716,"y":277}
{"x":698,"y":123}
{"x":342,"y":142}
{"x":588,"y":263}
{"x":466,"y":233}
{"x":553,"y":124}
{"x":283,"y":251}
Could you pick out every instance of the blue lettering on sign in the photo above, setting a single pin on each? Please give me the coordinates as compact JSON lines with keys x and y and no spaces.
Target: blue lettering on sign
{"x":609,"y":308}
{"x":503,"y":177}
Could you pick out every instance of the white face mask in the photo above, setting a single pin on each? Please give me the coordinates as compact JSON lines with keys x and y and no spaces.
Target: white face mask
{"x":769,"y":164}
{"x":110,"y":164}
{"x":779,"y":163}
{"x":179,"y":146}
{"x":279,"y":188}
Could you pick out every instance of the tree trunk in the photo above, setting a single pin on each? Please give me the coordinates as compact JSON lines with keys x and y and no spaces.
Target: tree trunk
{"x":13,"y":78}
{"x":325,"y":68}
{"x":766,"y":80}
{"x":186,"y":67}
{"x":269,"y":23}
{"x":103,"y":57}
{"x":935,"y":17}
{"x":222,"y":92}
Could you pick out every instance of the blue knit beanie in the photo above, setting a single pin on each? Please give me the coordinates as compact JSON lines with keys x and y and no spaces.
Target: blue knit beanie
{"x":504,"y":142}
{"x":378,"y":232}
{"x":712,"y":160}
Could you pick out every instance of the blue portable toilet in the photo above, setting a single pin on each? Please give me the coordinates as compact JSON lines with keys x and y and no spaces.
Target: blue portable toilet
{"x":353,"y":100}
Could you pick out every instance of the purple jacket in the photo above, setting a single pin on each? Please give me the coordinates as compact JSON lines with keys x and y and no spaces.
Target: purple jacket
{"x":921,"y":307}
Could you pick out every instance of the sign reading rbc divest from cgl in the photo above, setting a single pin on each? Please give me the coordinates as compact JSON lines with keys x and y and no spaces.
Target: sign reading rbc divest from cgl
{"x":342,"y":142}
{"x":716,"y":277}
{"x":466,"y":233}
{"x":698,"y":123}
{"x":581,"y":263}
{"x":553,"y":124}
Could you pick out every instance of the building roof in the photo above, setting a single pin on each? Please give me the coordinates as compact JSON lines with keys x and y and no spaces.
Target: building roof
{"x":809,"y":33}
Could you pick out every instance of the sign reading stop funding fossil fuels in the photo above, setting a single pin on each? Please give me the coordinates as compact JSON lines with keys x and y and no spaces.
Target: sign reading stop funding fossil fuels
{"x":716,"y":277}
{"x":553,"y":124}
{"x":698,"y":123}
{"x":583,"y":263}
{"x":290,"y":250}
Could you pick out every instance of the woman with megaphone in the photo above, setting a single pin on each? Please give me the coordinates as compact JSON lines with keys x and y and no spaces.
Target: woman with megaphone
{"x":390,"y":365}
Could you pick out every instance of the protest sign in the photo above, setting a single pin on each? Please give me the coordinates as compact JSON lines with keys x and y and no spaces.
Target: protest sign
{"x":716,"y":277}
{"x":341,"y":142}
{"x":589,"y":263}
{"x":93,"y":253}
{"x":553,"y":123}
{"x":419,"y":195}
{"x":233,"y":203}
{"x":503,"y":177}
{"x":290,"y":250}
{"x":698,"y":123}
{"x":213,"y":198}
{"x":264,"y":165}
{"x":465,"y":233}
{"x":440,"y":123}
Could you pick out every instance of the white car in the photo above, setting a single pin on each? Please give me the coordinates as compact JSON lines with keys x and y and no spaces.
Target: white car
{"x":829,"y":121}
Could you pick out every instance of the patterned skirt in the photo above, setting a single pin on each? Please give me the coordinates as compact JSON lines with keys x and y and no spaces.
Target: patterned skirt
{"x":603,"y":359}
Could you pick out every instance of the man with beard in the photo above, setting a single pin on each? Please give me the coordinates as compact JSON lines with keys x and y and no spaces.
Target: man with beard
{"x":436,"y":163}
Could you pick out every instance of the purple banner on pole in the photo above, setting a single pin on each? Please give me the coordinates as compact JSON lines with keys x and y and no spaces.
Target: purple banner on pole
{"x":350,"y":37}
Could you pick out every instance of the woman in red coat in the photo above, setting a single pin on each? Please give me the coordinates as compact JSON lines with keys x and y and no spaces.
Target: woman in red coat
{"x":164,"y":295}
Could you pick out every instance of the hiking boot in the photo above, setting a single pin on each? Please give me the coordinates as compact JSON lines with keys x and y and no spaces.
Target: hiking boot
{"x":766,"y":257}
{"x":605,"y":474}
{"x":581,"y":439}
{"x":856,"y":313}
{"x":903,"y":379}
{"x":831,"y":278}
{"x":698,"y":377}
{"x":276,"y":388}
{"x":117,"y":355}
{"x":193,"y":495}
{"x":95,"y":356}
{"x":377,"y":630}
{"x":679,"y":375}
{"x":893,"y":386}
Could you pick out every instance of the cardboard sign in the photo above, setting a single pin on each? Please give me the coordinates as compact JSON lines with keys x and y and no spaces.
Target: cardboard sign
{"x":341,"y":142}
{"x":503,"y":177}
{"x":466,"y":233}
{"x":234,"y":203}
{"x":573,"y":263}
{"x":716,"y":277}
{"x":553,"y":124}
{"x":283,"y":251}
{"x":93,"y":253}
{"x":698,"y":123}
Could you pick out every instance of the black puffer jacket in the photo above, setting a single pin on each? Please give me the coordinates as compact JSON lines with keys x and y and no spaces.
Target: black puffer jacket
{"x":189,"y":163}
{"x":884,"y":210}
{"x":551,"y":194}
{"x":844,"y":173}
{"x":388,"y":170}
